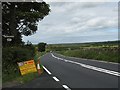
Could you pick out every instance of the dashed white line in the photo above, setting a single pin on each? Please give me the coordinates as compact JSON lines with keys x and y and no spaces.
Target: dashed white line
{"x":66,"y":87}
{"x":91,"y":67}
{"x":56,"y":79}
{"x":47,"y":70}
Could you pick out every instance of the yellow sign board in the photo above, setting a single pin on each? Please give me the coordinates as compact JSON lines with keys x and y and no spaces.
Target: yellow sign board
{"x":27,"y":67}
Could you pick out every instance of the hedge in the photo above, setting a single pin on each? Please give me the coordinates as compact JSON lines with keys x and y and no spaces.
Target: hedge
{"x":10,"y":57}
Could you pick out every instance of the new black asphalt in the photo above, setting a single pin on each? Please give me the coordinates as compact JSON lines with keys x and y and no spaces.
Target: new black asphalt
{"x":75,"y":76}
{"x":42,"y":81}
{"x":72,"y":75}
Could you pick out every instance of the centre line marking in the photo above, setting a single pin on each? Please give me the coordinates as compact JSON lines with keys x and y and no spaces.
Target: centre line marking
{"x":47,"y":70}
{"x":66,"y":87}
{"x":55,"y":79}
{"x":90,"y":67}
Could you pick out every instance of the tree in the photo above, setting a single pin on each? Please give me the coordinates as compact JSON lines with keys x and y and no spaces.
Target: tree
{"x":29,"y":43}
{"x":41,"y":47}
{"x":20,"y":18}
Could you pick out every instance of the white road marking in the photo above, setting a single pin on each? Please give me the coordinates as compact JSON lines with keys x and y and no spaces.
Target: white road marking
{"x":91,"y":60}
{"x":47,"y":70}
{"x":91,"y":67}
{"x":101,"y":61}
{"x":66,"y":60}
{"x":66,"y":87}
{"x":55,"y":79}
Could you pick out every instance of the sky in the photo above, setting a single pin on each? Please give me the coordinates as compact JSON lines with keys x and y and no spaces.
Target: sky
{"x":77,"y":22}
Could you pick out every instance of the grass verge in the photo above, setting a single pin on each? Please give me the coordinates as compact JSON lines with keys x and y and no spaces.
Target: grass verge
{"x":18,"y":80}
{"x":26,"y":78}
{"x":97,"y":54}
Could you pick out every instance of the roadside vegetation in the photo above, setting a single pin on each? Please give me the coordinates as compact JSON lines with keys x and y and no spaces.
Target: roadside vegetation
{"x":15,"y":54}
{"x":24,"y":22}
{"x":106,"y":51}
{"x":10,"y":57}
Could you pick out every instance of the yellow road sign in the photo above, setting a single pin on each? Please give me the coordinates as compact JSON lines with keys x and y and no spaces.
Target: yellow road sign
{"x":27,"y":67}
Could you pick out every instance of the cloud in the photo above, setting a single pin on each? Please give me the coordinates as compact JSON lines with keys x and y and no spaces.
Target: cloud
{"x":80,"y":1}
{"x":102,"y":22}
{"x":71,"y":6}
{"x":77,"y":22}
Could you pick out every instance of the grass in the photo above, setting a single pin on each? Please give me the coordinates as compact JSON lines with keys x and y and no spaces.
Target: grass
{"x":17,"y":80}
{"x":105,"y":54}
{"x":11,"y":76}
{"x":106,"y":51}
{"x":26,"y":78}
{"x":16,"y":76}
{"x":41,"y":53}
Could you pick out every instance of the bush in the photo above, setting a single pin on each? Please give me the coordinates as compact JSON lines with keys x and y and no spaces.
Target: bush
{"x":41,"y":47}
{"x":12,"y":55}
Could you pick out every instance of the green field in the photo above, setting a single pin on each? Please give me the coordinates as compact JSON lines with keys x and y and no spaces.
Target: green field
{"x":106,"y":51}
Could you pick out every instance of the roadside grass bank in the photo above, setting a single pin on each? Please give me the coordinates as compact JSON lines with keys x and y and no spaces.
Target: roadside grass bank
{"x":37,"y":58}
{"x":40,"y":54}
{"x":104,"y":54}
{"x":11,"y":76}
{"x":26,"y":78}
{"x":19,"y":80}
{"x":10,"y":70}
{"x":105,"y":51}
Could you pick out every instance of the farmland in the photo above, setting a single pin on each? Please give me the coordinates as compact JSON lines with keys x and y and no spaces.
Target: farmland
{"x":106,"y":51}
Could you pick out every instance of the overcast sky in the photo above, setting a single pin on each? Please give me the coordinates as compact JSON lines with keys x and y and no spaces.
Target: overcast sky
{"x":78,"y":22}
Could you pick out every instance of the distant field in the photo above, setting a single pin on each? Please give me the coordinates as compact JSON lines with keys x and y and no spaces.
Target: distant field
{"x":106,"y":51}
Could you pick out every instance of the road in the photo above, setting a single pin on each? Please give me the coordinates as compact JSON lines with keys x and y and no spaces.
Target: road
{"x":80,"y":73}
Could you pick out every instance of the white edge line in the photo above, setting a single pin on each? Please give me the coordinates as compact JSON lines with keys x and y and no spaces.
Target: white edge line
{"x":91,"y":60}
{"x":47,"y":70}
{"x":66,"y":87}
{"x":55,"y":79}
{"x":94,"y":68}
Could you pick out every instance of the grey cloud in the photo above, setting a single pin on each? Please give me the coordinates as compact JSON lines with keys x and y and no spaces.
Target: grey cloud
{"x":71,"y":6}
{"x":77,"y":22}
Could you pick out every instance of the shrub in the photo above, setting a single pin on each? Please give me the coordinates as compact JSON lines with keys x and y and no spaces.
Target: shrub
{"x":12,"y":55}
